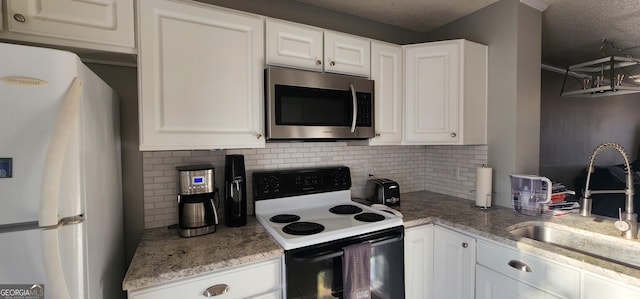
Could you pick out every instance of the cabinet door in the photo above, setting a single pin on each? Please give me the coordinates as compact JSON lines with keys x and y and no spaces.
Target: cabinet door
{"x":596,"y":287}
{"x":347,"y":54}
{"x":289,"y":44}
{"x":418,"y":262}
{"x":104,"y":22}
{"x":491,"y":285}
{"x":386,"y":71}
{"x":454,"y":264}
{"x":201,"y":77}
{"x":432,"y":78}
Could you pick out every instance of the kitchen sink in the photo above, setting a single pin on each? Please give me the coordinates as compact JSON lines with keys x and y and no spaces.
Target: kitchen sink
{"x":609,"y":248}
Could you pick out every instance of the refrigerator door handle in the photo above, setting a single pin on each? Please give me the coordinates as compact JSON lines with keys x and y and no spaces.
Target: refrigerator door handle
{"x":51,"y":175}
{"x":54,"y":275}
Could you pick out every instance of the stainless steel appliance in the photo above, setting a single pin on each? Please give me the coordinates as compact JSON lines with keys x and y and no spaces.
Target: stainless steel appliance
{"x":383,"y":191}
{"x":311,"y":215}
{"x":235,"y":190}
{"x":311,"y":105}
{"x":197,"y":214}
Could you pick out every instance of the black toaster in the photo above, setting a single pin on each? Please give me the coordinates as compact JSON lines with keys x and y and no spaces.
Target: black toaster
{"x":383,"y":191}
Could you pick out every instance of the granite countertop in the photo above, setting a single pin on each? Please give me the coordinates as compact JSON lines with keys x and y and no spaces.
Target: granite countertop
{"x":162,"y":256}
{"x":427,"y":207}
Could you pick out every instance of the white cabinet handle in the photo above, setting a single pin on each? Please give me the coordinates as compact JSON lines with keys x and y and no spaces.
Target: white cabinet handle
{"x":518,"y":265}
{"x":216,"y":290}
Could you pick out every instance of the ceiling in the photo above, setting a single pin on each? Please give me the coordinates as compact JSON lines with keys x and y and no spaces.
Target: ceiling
{"x":572,"y":30}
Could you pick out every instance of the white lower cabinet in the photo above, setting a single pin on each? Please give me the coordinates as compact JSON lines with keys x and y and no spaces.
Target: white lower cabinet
{"x":542,"y":274}
{"x":262,"y":280}
{"x":492,"y":285}
{"x":418,"y":262}
{"x":597,"y":287}
{"x":454,"y":264}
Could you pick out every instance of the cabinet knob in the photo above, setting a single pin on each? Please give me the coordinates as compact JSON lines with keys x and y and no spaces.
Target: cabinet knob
{"x":318,"y":62}
{"x":465,"y":245}
{"x":332,"y":63}
{"x":19,"y":18}
{"x":377,"y":134}
{"x":258,"y":136}
{"x":454,"y":135}
{"x":216,"y":290}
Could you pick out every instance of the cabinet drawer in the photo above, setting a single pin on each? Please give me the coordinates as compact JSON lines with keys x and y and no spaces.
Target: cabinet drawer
{"x":245,"y":281}
{"x":544,"y":274}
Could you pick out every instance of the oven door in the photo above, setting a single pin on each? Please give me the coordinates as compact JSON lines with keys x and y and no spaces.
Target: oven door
{"x":316,"y":271}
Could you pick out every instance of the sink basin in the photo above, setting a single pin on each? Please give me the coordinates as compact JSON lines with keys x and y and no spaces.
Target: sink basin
{"x":612,"y":249}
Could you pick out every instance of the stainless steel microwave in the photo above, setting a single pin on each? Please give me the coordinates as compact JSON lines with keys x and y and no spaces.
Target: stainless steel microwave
{"x":306,"y":105}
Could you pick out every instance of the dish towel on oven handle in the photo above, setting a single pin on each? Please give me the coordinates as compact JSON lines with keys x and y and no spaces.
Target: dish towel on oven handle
{"x":356,"y":271}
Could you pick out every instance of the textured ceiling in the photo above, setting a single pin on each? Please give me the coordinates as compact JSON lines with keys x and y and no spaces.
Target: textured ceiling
{"x":572,"y":30}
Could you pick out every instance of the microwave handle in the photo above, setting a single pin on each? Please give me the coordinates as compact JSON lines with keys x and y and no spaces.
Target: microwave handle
{"x":354,"y":118}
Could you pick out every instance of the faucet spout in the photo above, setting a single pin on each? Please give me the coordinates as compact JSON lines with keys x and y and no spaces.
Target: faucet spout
{"x":629,"y":228}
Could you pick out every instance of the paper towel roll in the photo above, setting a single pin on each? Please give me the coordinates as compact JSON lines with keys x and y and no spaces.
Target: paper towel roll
{"x":483,"y":186}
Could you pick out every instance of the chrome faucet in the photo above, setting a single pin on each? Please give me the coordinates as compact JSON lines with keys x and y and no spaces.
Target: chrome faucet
{"x":628,"y":221}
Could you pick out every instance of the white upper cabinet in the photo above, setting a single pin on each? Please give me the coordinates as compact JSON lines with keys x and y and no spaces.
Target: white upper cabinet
{"x":347,"y":54}
{"x":308,"y":47}
{"x":290,"y":44}
{"x":445,"y":93}
{"x":106,"y":25}
{"x":386,"y":71}
{"x":201,"y":77}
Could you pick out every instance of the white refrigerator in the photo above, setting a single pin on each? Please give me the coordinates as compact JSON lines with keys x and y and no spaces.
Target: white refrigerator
{"x":61,"y":226}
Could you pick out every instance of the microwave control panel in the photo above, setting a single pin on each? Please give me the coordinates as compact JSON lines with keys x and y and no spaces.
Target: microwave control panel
{"x":365,"y":109}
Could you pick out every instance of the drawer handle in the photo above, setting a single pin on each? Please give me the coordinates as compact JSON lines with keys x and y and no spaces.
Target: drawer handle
{"x":518,"y":265}
{"x":216,"y":290}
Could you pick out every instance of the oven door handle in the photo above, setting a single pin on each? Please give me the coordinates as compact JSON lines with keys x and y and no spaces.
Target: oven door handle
{"x":354,"y":118}
{"x":312,"y":258}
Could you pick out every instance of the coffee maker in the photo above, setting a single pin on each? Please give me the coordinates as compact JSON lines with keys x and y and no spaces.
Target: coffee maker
{"x":197,"y":213}
{"x":235,"y":190}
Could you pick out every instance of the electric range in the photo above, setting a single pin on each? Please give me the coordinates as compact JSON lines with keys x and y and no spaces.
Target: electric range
{"x":304,"y":207}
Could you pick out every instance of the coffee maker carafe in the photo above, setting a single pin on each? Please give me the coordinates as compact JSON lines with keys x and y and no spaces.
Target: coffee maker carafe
{"x":197,"y":213}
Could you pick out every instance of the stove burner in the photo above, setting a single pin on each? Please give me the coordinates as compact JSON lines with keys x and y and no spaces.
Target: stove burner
{"x":284,"y":218}
{"x":303,"y":228}
{"x":345,"y":209}
{"x":369,"y":217}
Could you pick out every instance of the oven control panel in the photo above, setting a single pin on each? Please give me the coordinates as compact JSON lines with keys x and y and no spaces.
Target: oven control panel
{"x":284,"y":183}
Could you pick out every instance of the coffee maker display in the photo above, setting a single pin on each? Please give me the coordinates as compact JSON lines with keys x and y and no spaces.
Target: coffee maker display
{"x":197,"y":213}
{"x":235,"y":190}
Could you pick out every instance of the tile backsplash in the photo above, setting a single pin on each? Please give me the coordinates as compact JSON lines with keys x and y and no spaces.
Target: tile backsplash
{"x":444,"y":169}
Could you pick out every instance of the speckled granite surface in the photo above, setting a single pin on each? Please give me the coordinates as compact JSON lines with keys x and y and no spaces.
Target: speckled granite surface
{"x":162,"y":256}
{"x":493,"y":224}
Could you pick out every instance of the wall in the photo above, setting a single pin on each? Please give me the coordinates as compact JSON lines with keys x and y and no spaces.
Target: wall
{"x":445,"y":169}
{"x":513,"y":33}
{"x":294,"y":11}
{"x":572,"y":127}
{"x":124,"y":81}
